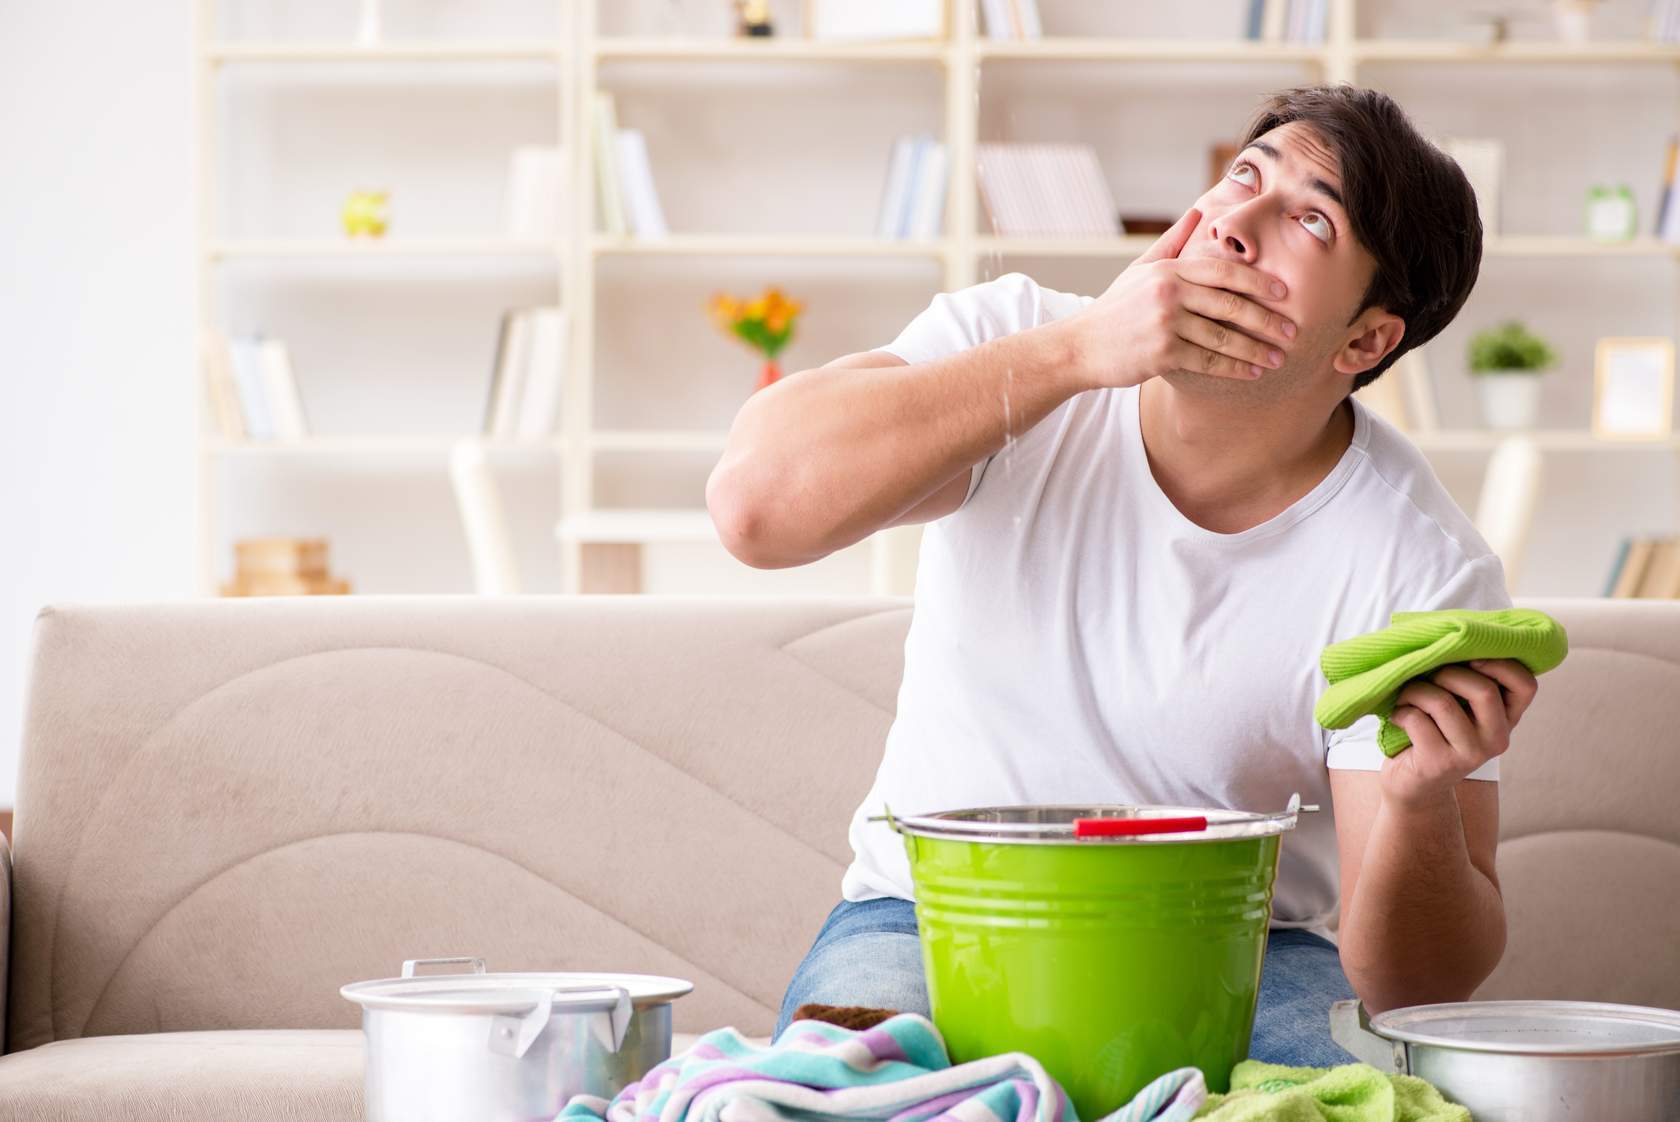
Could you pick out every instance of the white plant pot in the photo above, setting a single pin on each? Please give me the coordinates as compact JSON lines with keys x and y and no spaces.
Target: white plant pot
{"x":1510,"y":398}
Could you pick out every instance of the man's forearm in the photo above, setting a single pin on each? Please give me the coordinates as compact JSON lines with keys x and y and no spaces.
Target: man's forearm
{"x":828,"y":456}
{"x":1425,"y":924}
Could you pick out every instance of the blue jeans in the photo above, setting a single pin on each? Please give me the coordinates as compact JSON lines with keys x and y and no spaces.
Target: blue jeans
{"x":868,"y":953}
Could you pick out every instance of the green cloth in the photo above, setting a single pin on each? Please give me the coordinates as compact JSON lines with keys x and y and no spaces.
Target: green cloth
{"x":1349,"y":1093}
{"x":1367,"y":672}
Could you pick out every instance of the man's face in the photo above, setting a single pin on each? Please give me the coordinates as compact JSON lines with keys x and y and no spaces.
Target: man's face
{"x":1278,"y":209}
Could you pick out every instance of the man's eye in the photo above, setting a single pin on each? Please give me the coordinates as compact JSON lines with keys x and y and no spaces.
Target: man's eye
{"x":1239,"y":169}
{"x":1324,"y":230}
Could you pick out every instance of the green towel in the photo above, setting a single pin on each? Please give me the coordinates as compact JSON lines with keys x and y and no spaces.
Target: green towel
{"x":1367,"y":672}
{"x":1349,"y":1093}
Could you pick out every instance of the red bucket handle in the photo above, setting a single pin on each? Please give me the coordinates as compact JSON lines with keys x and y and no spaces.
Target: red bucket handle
{"x":1131,"y":827}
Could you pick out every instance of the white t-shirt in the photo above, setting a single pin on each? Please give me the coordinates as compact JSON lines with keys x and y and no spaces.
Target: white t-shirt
{"x":1077,"y":640}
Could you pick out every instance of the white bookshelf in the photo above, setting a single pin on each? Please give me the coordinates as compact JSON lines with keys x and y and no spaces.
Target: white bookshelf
{"x":955,"y":61}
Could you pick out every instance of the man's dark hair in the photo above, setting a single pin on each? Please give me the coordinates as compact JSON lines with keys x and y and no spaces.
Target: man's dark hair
{"x":1409,"y":203}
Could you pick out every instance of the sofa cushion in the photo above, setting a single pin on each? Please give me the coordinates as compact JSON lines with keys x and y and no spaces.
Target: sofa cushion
{"x":278,"y":1075}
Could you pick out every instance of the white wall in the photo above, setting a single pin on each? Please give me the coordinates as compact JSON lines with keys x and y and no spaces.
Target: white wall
{"x":96,"y":314}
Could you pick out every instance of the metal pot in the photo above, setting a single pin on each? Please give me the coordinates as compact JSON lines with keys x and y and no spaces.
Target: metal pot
{"x":1528,"y":1061}
{"x":506,"y":1047}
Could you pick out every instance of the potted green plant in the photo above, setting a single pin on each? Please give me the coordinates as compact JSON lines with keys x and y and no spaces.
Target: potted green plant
{"x":1507,"y":361}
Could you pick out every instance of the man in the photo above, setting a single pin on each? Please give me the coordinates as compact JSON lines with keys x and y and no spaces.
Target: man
{"x":1147,"y":513}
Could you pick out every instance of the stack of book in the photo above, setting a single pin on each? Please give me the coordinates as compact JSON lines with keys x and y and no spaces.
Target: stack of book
{"x":1647,"y":568}
{"x":282,"y":567}
{"x":628,"y":202}
{"x":1012,"y":19}
{"x":528,"y":374}
{"x":1288,"y":21}
{"x":913,"y":199}
{"x":253,"y":393}
{"x":1055,"y":190}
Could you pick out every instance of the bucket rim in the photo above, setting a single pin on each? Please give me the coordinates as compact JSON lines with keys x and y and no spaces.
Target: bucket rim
{"x":1053,"y":824}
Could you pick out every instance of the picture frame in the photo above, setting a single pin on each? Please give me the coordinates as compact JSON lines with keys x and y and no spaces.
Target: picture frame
{"x":859,"y":20}
{"x":1633,"y":388}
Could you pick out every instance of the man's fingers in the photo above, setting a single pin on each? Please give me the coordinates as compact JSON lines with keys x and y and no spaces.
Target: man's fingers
{"x":1253,"y":318}
{"x":1226,"y":340}
{"x":1171,"y":243}
{"x":1194,"y":357}
{"x":1487,"y":700}
{"x":1237,"y":276}
{"x":1519,"y":683}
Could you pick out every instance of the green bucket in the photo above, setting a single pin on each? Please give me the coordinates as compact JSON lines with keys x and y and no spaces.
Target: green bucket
{"x":1111,"y":943}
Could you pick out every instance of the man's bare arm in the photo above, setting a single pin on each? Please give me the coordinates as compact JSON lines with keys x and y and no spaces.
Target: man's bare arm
{"x":826,"y":457}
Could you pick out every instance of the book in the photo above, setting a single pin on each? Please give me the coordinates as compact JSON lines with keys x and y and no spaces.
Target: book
{"x":248,"y":380}
{"x":1045,"y":189}
{"x":510,"y":377}
{"x":1386,"y":397}
{"x":893,"y":190}
{"x":539,"y":405}
{"x":928,"y":205}
{"x":1616,"y":566}
{"x":223,"y":394}
{"x":483,"y":521}
{"x":609,"y":201}
{"x":996,"y":13}
{"x":1632,"y":572}
{"x":285,"y":405}
{"x":1274,"y":20}
{"x":536,"y":200}
{"x":635,"y":178}
{"x":1665,"y":191}
{"x":1412,"y":371}
{"x":1661,"y":578}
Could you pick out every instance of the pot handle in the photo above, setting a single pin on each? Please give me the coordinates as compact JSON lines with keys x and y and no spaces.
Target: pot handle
{"x":413,"y":964}
{"x":1350,"y":1026}
{"x":513,"y":1034}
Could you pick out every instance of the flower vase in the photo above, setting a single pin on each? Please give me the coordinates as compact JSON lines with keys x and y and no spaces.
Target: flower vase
{"x":771,"y":372}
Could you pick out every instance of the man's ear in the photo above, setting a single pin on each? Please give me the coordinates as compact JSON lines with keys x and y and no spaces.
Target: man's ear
{"x":1375,"y":334}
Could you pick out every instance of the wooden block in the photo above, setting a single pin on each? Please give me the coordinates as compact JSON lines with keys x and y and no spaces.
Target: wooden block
{"x":610,"y":567}
{"x":285,"y":586}
{"x":281,"y":557}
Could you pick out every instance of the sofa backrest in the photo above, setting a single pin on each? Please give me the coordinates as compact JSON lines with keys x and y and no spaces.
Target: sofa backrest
{"x":227,"y":810}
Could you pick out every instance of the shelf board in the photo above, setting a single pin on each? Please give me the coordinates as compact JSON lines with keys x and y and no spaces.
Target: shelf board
{"x":1517,"y":245}
{"x":289,"y":248}
{"x":693,"y":49}
{"x":1560,"y":440}
{"x":1129,"y":245}
{"x":372,"y":445}
{"x":1430,"y":50}
{"x":726,"y":245}
{"x":657,"y":440}
{"x":637,"y":527}
{"x":1094,"y":49}
{"x":488,"y":51}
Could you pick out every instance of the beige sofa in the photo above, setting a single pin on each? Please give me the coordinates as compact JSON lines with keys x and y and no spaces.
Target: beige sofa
{"x":227,"y":810}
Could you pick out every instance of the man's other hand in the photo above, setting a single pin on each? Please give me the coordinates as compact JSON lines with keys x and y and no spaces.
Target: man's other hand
{"x":1459,"y":718}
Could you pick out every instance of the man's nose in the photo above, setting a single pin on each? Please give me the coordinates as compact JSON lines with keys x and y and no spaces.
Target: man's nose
{"x":1233,"y":230}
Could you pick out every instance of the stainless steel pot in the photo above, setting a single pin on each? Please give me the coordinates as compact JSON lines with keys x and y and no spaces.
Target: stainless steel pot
{"x":1528,"y":1061}
{"x":506,"y":1047}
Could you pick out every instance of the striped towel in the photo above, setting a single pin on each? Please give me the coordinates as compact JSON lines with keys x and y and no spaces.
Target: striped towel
{"x":1368,"y":671}
{"x":897,"y":1071}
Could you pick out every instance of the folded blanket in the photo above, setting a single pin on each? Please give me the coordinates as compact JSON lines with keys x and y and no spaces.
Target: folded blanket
{"x":1368,"y":671}
{"x":898,"y":1070}
{"x":1350,"y":1093}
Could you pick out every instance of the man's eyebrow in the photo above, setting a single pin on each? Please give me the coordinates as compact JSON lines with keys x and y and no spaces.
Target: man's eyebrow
{"x":1319,"y":185}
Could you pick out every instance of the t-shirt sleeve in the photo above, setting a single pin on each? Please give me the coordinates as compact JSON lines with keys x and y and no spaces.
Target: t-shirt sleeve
{"x":958,"y":321}
{"x":1478,"y":586}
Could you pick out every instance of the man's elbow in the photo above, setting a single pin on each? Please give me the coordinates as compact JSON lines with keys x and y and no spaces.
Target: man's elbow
{"x":742,"y":521}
